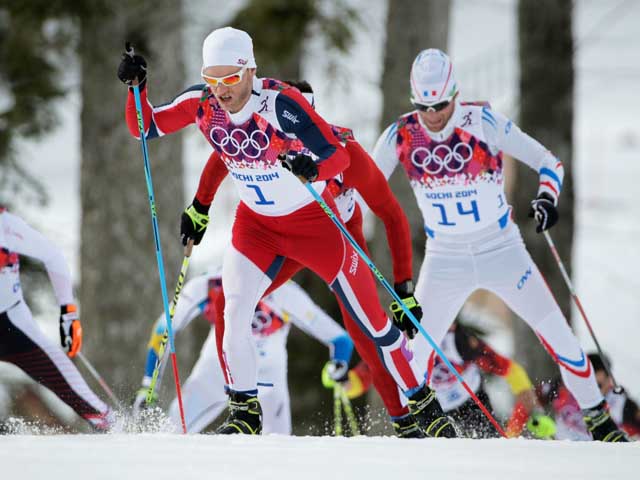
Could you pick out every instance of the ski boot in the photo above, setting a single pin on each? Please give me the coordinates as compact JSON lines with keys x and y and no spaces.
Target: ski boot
{"x":428,"y":414}
{"x":407,"y":427}
{"x":245,"y":415}
{"x":601,"y":426}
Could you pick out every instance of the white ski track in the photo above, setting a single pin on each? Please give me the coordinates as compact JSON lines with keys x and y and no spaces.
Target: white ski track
{"x":177,"y":457}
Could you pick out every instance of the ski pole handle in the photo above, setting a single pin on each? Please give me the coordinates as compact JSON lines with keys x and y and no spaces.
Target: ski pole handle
{"x":189,"y":248}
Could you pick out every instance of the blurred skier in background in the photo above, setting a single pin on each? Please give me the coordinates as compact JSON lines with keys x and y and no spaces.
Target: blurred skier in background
{"x":204,"y":393}
{"x":555,"y":396}
{"x":474,"y":358}
{"x":452,"y":153}
{"x":22,"y":343}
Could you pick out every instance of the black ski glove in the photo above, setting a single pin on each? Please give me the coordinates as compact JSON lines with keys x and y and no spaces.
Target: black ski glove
{"x":302,"y":166}
{"x":132,"y":67}
{"x":193,"y":222}
{"x":543,"y":209}
{"x":400,"y":318}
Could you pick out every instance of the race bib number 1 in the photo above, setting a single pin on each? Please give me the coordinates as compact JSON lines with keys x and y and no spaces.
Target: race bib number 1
{"x":261,"y":198}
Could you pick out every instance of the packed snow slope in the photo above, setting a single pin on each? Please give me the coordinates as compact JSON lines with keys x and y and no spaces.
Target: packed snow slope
{"x":166,"y":456}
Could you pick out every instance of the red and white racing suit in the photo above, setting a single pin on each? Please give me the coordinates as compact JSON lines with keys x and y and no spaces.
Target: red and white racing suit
{"x":277,"y":217}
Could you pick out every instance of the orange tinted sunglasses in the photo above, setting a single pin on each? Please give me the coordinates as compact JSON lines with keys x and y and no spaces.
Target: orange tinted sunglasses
{"x":228,"y":80}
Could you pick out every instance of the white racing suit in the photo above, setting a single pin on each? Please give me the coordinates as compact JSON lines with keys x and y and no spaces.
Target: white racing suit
{"x":21,"y":340}
{"x":457,"y":178}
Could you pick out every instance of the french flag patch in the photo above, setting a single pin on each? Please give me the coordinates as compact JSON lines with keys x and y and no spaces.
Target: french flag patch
{"x":429,"y":93}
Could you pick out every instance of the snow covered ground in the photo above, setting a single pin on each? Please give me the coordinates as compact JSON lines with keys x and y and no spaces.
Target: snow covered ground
{"x":164,"y":456}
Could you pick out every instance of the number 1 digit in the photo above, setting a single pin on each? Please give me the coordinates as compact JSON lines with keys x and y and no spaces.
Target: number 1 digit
{"x":261,"y":199}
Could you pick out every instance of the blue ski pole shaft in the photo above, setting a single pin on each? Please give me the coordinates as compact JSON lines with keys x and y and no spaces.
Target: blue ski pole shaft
{"x":406,"y":310}
{"x":156,"y":236}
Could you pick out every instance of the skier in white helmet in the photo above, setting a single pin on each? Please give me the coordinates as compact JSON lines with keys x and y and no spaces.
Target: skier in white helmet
{"x":452,"y":153}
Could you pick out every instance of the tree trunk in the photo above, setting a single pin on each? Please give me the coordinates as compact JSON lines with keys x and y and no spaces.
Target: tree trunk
{"x":546,"y":113}
{"x":120,"y":291}
{"x":407,"y":34}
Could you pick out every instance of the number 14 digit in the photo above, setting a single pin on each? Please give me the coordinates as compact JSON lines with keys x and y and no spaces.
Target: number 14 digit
{"x":461,"y":211}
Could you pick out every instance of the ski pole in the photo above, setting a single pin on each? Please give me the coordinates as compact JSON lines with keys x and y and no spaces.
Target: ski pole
{"x":156,"y":236}
{"x":395,"y":296}
{"x":617,"y":388}
{"x":337,"y":411}
{"x":158,"y":369}
{"x":172,"y":312}
{"x":348,"y":411}
{"x":99,"y":379}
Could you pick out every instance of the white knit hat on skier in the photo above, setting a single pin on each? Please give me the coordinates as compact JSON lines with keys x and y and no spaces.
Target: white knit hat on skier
{"x":228,"y":46}
{"x":432,"y":78}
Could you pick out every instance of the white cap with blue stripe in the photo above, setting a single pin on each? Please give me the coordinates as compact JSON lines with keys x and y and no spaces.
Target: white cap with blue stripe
{"x":432,"y":78}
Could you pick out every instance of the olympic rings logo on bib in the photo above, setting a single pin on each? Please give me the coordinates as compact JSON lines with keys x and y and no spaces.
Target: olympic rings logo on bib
{"x":261,"y":321}
{"x":238,"y":141}
{"x":442,"y":157}
{"x":441,"y":375}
